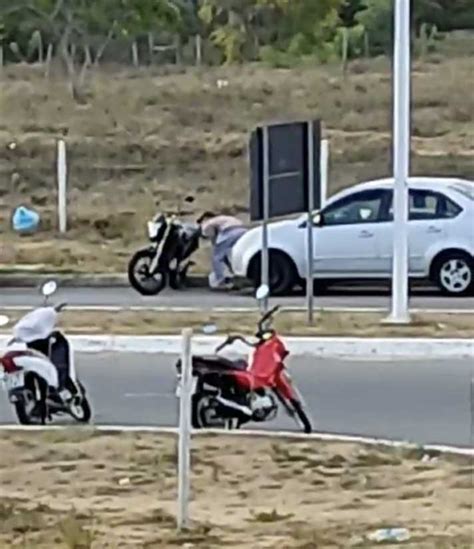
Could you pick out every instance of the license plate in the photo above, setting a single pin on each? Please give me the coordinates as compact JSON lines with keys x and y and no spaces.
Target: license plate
{"x":14,"y":381}
{"x":180,"y":385}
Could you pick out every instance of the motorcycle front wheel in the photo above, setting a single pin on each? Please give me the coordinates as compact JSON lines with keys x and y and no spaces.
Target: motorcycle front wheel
{"x":139,"y":274}
{"x":303,"y":418}
{"x":79,"y":408}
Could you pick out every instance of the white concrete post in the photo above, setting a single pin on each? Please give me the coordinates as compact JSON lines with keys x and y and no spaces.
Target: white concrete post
{"x":324,"y":167}
{"x":184,"y":456}
{"x":401,"y":161}
{"x":62,"y":185}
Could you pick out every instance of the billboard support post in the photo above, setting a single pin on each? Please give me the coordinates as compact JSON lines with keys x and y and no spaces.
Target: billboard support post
{"x":309,"y":225}
{"x":265,"y":264}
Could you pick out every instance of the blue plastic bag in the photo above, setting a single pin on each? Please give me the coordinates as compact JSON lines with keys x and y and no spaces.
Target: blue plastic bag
{"x":25,"y":220}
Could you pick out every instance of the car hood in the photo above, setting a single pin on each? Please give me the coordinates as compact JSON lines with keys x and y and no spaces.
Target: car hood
{"x":274,"y":228}
{"x":279,"y":226}
{"x":283,"y":224}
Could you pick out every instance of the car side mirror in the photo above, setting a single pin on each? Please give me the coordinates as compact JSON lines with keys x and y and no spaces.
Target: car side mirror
{"x":318,"y":220}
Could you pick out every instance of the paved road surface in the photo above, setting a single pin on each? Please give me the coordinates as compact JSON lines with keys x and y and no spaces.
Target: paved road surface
{"x":202,"y":299}
{"x":419,"y":401}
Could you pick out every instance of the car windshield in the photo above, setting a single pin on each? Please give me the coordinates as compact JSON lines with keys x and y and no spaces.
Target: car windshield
{"x":465,"y":189}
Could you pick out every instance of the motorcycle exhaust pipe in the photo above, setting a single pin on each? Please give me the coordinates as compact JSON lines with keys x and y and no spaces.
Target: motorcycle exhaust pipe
{"x":230,"y":404}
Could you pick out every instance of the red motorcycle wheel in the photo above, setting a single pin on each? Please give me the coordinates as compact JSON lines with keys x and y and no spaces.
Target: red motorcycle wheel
{"x":307,"y":428}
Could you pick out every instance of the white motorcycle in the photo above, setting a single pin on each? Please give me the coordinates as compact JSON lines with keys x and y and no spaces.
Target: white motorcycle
{"x":38,"y":369}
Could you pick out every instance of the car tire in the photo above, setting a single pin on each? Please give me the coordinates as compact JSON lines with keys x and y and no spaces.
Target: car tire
{"x":283,"y":274}
{"x":320,"y":286}
{"x":453,"y":272}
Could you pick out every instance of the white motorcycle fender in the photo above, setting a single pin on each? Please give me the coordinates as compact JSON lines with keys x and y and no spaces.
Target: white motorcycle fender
{"x":41,"y":366}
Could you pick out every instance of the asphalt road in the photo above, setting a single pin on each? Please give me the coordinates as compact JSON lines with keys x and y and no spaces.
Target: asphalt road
{"x":203,"y":299}
{"x":424,"y":402}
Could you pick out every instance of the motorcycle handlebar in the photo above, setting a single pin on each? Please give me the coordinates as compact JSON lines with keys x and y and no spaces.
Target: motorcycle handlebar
{"x":232,"y":339}
{"x":61,"y":306}
{"x":267,"y":316}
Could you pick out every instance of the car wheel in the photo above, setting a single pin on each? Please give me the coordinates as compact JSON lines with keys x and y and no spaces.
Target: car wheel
{"x":320,"y":286}
{"x":283,"y":275}
{"x":454,"y":274}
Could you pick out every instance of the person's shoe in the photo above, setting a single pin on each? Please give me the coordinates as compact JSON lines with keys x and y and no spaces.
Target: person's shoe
{"x":222,"y":287}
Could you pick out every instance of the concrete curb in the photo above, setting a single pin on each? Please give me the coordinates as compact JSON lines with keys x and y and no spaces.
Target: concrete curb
{"x":235,"y":310}
{"x":286,"y":435}
{"x":27,"y":280}
{"x":324,"y":347}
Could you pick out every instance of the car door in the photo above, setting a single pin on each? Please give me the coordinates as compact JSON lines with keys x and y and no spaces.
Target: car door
{"x":429,"y":218}
{"x":429,"y":213}
{"x":346,"y":242}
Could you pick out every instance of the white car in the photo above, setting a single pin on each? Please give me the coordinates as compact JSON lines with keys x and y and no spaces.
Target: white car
{"x":353,"y":238}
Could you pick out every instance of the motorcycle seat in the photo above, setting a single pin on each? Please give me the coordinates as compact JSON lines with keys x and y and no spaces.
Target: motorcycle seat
{"x":217,"y":361}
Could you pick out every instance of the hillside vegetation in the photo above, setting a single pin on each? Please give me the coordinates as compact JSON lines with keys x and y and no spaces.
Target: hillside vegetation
{"x":141,"y":138}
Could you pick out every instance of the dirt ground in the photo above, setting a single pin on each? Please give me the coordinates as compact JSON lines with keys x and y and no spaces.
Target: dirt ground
{"x":146,"y":138}
{"x":287,"y":323}
{"x":83,"y":490}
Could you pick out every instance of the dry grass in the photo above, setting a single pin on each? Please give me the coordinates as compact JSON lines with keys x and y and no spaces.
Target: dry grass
{"x":149,"y":136}
{"x":83,"y":490}
{"x":287,"y":323}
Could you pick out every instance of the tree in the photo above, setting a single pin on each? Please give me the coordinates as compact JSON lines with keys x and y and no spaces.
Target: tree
{"x":73,"y":24}
{"x":81,"y":30}
{"x":299,"y":26}
{"x":232,"y":25}
{"x":348,"y":12}
{"x":377,"y":21}
{"x":452,"y":14}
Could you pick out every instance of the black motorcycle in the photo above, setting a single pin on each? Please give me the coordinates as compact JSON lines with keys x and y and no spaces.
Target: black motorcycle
{"x":166,"y":261}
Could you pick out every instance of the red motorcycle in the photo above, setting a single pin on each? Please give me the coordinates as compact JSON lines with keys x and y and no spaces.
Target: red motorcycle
{"x":230,"y":393}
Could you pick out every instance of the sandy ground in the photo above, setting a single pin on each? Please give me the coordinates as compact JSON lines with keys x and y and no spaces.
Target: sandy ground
{"x":287,"y":323}
{"x":85,"y":490}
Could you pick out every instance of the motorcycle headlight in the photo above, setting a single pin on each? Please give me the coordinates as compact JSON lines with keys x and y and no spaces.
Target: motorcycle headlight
{"x":153,"y":229}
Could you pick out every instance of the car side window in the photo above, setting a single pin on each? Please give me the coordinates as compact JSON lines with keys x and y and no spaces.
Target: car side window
{"x":361,"y":207}
{"x":430,"y":205}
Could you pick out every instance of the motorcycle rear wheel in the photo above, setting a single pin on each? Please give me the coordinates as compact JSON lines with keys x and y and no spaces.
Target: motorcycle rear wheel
{"x":33,"y":384}
{"x":177,"y":280}
{"x":139,"y":276}
{"x":201,"y":413}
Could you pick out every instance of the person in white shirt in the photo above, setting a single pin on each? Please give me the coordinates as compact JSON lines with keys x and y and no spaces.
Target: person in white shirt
{"x":223,"y":231}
